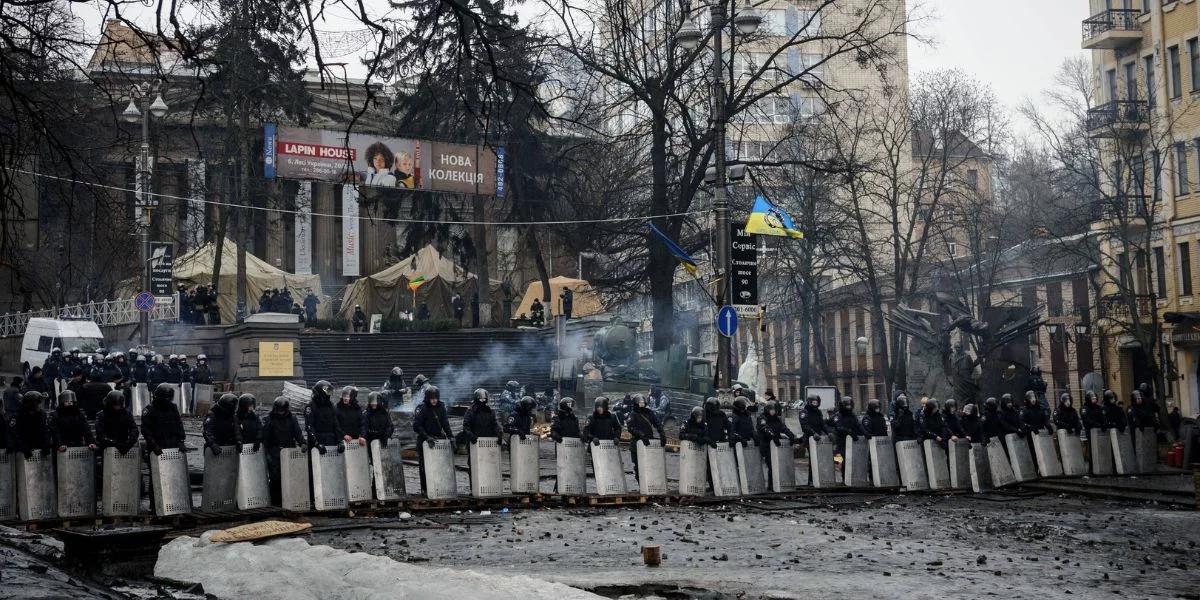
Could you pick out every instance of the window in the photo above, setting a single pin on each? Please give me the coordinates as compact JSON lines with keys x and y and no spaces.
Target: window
{"x":952,"y":248}
{"x":1131,"y":81}
{"x":1160,"y":275}
{"x":44,"y":344}
{"x":973,"y":179}
{"x":1110,"y":77}
{"x":1194,"y":62}
{"x":772,"y":109}
{"x":1123,"y":271}
{"x":1148,"y":67}
{"x":747,"y":64}
{"x":1181,"y":169}
{"x":1185,"y":270}
{"x":1176,"y":81}
{"x":1054,"y":299}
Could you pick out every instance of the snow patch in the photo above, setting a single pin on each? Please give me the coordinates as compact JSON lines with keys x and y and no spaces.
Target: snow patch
{"x":291,"y":569}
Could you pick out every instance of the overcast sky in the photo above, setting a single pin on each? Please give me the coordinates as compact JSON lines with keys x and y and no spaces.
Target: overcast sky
{"x":1014,"y":45}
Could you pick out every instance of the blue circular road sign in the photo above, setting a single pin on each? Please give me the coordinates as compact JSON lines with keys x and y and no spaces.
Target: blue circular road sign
{"x":144,"y":301}
{"x":727,"y":321}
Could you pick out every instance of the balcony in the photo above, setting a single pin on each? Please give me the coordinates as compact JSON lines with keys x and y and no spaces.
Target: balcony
{"x":1119,"y":118}
{"x":1112,"y":29}
{"x":1131,"y":208}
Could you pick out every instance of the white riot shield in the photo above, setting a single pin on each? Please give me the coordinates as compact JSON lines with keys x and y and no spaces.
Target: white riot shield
{"x":141,"y":398}
{"x":201,"y":392}
{"x":693,"y":469}
{"x":185,"y":400}
{"x":1024,"y":469}
{"x":294,"y":480}
{"x":571,"y":465}
{"x":1046,"y":455}
{"x":937,"y":467}
{"x":998,"y":465}
{"x":722,"y":465}
{"x":960,"y":464}
{"x":8,"y":486}
{"x":486,"y":478}
{"x":387,"y":470}
{"x":358,"y":472}
{"x":856,"y":468}
{"x":911,"y":460}
{"x":177,"y":397}
{"x":440,"y":480}
{"x":981,"y":471}
{"x":820,"y":462}
{"x":1071,"y":450}
{"x":220,"y":480}
{"x":783,"y":466}
{"x":328,"y":479}
{"x":606,"y":464}
{"x":750,"y":468}
{"x":77,"y":482}
{"x":884,"y":472}
{"x":60,"y":386}
{"x":1145,"y":446}
{"x":253,"y":491}
{"x":1124,"y":456}
{"x":169,"y":477}
{"x":523,"y":474}
{"x":1100,"y":451}
{"x":121,"y":482}
{"x":652,"y":468}
{"x":35,"y":486}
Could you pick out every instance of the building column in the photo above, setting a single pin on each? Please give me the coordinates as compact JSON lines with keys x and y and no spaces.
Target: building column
{"x":325,"y":246}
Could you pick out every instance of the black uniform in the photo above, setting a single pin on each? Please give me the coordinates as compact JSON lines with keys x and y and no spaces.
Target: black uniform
{"x":69,"y":426}
{"x":874,"y":424}
{"x":904,"y":426}
{"x":520,"y":420}
{"x":1010,"y":420}
{"x":564,"y":424}
{"x":601,"y":426}
{"x":250,"y":426}
{"x":931,"y":426}
{"x":845,"y":423}
{"x":716,"y":424}
{"x":1092,"y":415}
{"x":115,"y":427}
{"x":480,"y":421}
{"x":972,"y":427}
{"x":812,"y":422}
{"x":379,"y":424}
{"x":1114,"y":417}
{"x":1033,"y":419}
{"x":643,"y":426}
{"x":350,"y":418}
{"x":952,"y":422}
{"x":772,"y":429}
{"x":1066,"y":417}
{"x":430,"y":423}
{"x":201,"y":374}
{"x":1143,"y":415}
{"x":221,"y":428}
{"x":321,"y":422}
{"x":741,"y":424}
{"x":31,"y":428}
{"x":91,"y":397}
{"x":693,"y":430}
{"x":161,"y":425}
{"x":280,"y":429}
{"x":991,"y":422}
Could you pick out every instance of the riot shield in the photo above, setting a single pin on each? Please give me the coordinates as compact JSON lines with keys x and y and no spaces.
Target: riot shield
{"x":1124,"y":456}
{"x":884,"y":472}
{"x":856,"y":468}
{"x":8,"y":486}
{"x":960,"y":464}
{"x":1046,"y":455}
{"x":722,"y":465}
{"x":220,"y":480}
{"x":820,"y":462}
{"x":201,"y":393}
{"x":1100,"y":451}
{"x":178,"y":397}
{"x":35,"y":486}
{"x":169,"y":477}
{"x":185,"y":399}
{"x":121,"y":481}
{"x":387,"y":470}
{"x":750,"y":468}
{"x":981,"y":470}
{"x":294,"y":480}
{"x":936,"y":465}
{"x":141,"y":398}
{"x":911,"y":460}
{"x":77,"y":482}
{"x":571,"y":465}
{"x":253,"y":491}
{"x":652,"y":468}
{"x":358,"y":472}
{"x":523,"y":474}
{"x":693,"y":469}
{"x":783,"y":467}
{"x":486,"y":478}
{"x":1024,"y":469}
{"x":440,"y":480}
{"x":1071,"y":450}
{"x":610,"y":473}
{"x":1145,"y":446}
{"x":328,"y":479}
{"x":998,"y":465}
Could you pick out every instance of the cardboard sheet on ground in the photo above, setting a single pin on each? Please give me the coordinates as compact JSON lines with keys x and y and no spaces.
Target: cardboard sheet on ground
{"x":571,"y":466}
{"x":121,"y":482}
{"x":76,"y":482}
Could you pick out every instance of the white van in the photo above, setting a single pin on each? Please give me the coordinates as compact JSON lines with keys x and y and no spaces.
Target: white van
{"x":43,"y":335}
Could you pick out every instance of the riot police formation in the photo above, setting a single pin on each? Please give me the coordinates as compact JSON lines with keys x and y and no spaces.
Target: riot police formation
{"x":644,"y":427}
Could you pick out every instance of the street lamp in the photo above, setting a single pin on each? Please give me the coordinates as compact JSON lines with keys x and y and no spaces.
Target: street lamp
{"x":745,"y":22}
{"x":132,"y":114}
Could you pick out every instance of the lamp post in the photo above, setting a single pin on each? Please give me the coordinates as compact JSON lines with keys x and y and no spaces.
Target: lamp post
{"x":745,"y":22}
{"x":132,"y":114}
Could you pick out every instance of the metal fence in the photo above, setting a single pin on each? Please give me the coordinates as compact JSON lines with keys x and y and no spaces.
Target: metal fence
{"x":105,"y":313}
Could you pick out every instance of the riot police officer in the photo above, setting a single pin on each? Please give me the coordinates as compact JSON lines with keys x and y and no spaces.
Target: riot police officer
{"x":250,"y":427}
{"x":520,"y":420}
{"x":430,"y":423}
{"x":874,"y":424}
{"x":904,"y":426}
{"x":378,"y":422}
{"x":1066,"y":417}
{"x":320,"y":419}
{"x":846,"y":424}
{"x":31,"y":427}
{"x":350,"y":416}
{"x":716,"y":423}
{"x":1033,"y":419}
{"x":69,"y":426}
{"x":812,"y":422}
{"x":115,"y":427}
{"x":162,"y":426}
{"x":643,"y":426}
{"x":602,"y":424}
{"x":565,"y":424}
{"x":281,"y":430}
{"x":221,"y":426}
{"x":479,"y":420}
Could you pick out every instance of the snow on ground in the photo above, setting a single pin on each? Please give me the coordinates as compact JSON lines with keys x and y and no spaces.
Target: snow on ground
{"x":291,"y":569}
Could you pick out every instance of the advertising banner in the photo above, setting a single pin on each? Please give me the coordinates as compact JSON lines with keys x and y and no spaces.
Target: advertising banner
{"x":162,"y":265}
{"x":378,"y":161}
{"x":350,"y":236}
{"x":743,"y":259}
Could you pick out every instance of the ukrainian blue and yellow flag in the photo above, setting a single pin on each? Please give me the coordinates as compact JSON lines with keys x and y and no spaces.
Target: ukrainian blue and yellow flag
{"x":674,"y":248}
{"x":768,"y":219}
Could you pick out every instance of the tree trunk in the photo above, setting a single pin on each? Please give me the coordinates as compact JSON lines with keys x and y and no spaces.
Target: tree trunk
{"x":535,"y":248}
{"x":483,"y":280}
{"x":661,"y":267}
{"x":243,"y":215}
